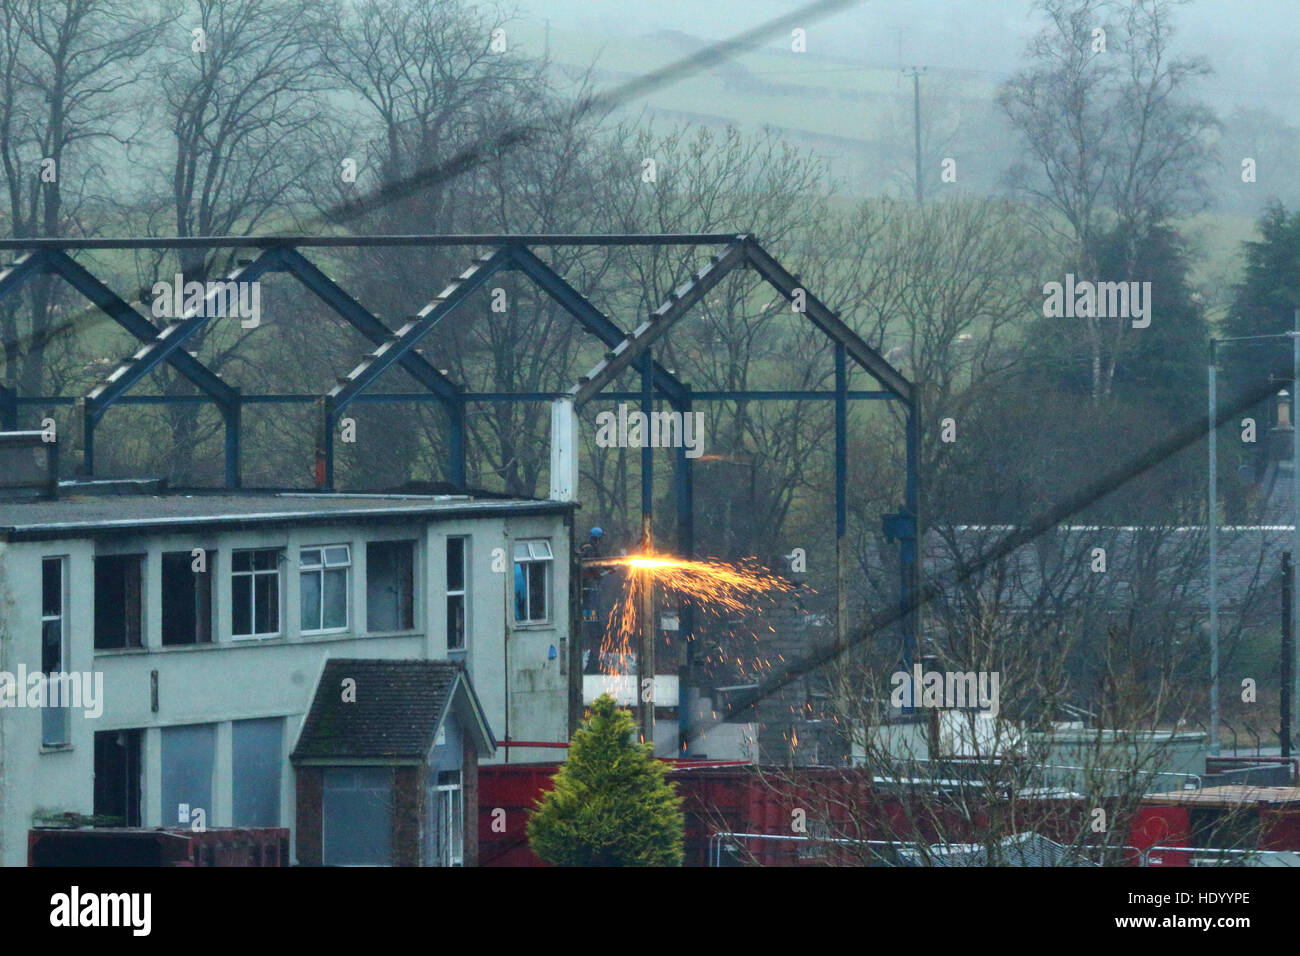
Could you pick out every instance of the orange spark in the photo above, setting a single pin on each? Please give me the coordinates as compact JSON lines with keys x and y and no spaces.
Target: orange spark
{"x":712,"y":586}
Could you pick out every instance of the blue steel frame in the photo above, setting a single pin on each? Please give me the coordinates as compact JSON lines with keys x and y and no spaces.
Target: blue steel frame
{"x":509,"y":252}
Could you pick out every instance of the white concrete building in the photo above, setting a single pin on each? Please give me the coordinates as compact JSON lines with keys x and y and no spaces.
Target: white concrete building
{"x":211,"y":618}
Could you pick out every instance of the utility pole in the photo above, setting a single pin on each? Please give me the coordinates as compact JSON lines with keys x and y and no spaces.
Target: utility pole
{"x":645,"y":657}
{"x":1288,"y":632}
{"x":1212,"y":518}
{"x":1295,"y":487}
{"x":1212,"y":510}
{"x":916,"y":125}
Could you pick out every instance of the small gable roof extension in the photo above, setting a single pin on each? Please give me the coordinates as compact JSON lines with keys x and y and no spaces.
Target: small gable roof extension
{"x":398,"y":709}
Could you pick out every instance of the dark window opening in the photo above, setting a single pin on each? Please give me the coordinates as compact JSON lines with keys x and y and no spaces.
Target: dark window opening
{"x":186,"y":599}
{"x":456,"y":594}
{"x":390,"y":585}
{"x":119,"y":604}
{"x":117,"y":778}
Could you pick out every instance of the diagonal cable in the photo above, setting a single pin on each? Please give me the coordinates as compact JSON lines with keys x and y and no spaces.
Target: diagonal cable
{"x":1022,"y":535}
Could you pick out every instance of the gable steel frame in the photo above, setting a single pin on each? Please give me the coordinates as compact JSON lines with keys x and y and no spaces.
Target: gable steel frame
{"x":627,"y":351}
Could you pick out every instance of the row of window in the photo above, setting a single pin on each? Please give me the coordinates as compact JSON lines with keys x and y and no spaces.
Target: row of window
{"x":358,"y":802}
{"x":324,"y":575}
{"x":188,"y":756}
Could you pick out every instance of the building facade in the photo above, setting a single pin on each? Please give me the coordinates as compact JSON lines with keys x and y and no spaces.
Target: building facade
{"x":193,"y":632}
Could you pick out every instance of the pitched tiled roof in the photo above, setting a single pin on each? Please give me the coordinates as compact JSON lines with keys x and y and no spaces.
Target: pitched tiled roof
{"x":398,"y":708}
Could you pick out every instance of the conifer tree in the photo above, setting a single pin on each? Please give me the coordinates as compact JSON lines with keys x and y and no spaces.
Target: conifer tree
{"x":611,"y":805}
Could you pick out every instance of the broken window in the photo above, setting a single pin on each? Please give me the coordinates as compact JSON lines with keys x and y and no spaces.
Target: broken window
{"x":117,"y":778}
{"x":390,"y":585}
{"x":186,"y":598}
{"x":255,"y":768}
{"x":255,"y":593}
{"x":119,"y":603}
{"x":323,"y":573}
{"x":533,"y":561}
{"x":456,"y":593}
{"x":187,"y":760}
{"x":54,"y":720}
{"x":357,"y":811}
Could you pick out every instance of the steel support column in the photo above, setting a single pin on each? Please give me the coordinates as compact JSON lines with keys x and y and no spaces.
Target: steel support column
{"x":90,"y":416}
{"x":8,"y":410}
{"x":841,"y":491}
{"x":909,"y":551}
{"x":231,"y":415}
{"x":645,"y":658}
{"x":456,"y":442}
{"x":328,"y":420}
{"x":684,"y":497}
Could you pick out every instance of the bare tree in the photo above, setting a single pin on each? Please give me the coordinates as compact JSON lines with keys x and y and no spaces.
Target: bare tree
{"x":242,"y":99}
{"x":65,"y":69}
{"x":1114,"y":143}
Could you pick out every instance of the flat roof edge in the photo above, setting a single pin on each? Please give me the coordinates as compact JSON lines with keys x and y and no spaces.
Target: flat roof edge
{"x":123,"y":526}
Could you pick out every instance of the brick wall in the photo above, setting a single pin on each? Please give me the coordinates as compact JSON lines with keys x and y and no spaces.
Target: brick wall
{"x":310,"y":821}
{"x":408,"y":814}
{"x":469,"y":785}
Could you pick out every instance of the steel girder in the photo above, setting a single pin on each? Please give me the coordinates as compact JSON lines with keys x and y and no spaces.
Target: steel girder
{"x":591,"y":318}
{"x":356,"y":315}
{"x":58,"y":262}
{"x":55,"y":261}
{"x":399,"y":343}
{"x":679,"y":302}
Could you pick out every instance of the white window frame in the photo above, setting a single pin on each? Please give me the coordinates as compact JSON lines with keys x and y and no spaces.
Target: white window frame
{"x":536,"y":551}
{"x":319,"y":570}
{"x":451,"y":824}
{"x":252,"y":593}
{"x":462,"y":593}
{"x":62,"y":619}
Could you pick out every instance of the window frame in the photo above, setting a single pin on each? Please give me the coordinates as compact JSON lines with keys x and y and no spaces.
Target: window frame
{"x":462,"y":592}
{"x":451,"y":824}
{"x":547,"y":561}
{"x":319,"y":570}
{"x":386,"y":793}
{"x":47,"y":712}
{"x":252,"y":594}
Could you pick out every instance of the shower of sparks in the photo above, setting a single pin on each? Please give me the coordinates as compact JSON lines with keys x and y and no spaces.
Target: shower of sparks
{"x":713,"y":587}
